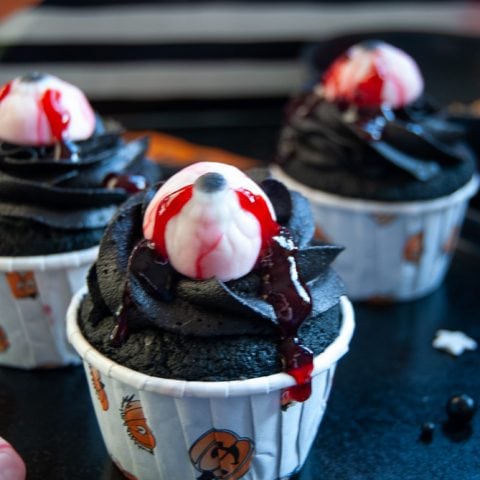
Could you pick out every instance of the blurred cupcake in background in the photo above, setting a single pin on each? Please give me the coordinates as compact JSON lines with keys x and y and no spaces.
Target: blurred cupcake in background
{"x":63,"y":172}
{"x":387,"y":173}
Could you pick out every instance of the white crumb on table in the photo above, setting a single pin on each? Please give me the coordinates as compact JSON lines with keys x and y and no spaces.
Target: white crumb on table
{"x":453,"y":342}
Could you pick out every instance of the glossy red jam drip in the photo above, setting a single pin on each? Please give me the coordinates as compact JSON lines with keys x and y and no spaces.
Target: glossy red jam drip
{"x":5,"y":90}
{"x":143,"y":262}
{"x":167,"y":209}
{"x":121,"y":331}
{"x":57,"y":116}
{"x":284,"y":289}
{"x":256,"y":205}
{"x":369,"y":91}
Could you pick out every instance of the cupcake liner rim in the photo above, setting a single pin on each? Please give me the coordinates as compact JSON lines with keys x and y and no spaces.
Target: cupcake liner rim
{"x":377,"y":206}
{"x":223,"y":389}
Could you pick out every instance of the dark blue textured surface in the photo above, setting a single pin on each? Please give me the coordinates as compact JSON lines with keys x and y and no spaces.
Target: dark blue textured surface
{"x":390,"y":383}
{"x":393,"y":381}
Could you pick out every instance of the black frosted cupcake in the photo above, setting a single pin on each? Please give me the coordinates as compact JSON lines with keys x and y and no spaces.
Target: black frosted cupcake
{"x":387,"y":173}
{"x":210,"y":290}
{"x":63,"y":173}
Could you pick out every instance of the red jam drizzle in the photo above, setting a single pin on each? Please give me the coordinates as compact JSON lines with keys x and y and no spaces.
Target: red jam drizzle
{"x":169,"y":207}
{"x":368,"y":93}
{"x":256,"y":205}
{"x":143,"y":262}
{"x":284,"y":289}
{"x":58,"y":117}
{"x":282,"y":285}
{"x":5,"y":90}
{"x":120,"y":332}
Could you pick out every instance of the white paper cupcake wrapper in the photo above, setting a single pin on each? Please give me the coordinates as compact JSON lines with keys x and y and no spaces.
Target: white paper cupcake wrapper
{"x":163,"y":429}
{"x":35,"y":293}
{"x":393,"y":250}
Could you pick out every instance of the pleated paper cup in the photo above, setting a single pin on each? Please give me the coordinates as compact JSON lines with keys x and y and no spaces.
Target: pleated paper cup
{"x":35,"y":293}
{"x":393,"y":250}
{"x":163,"y":429}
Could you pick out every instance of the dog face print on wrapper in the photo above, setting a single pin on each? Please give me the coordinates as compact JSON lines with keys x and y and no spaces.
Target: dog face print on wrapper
{"x":99,"y":387}
{"x":22,"y":284}
{"x":221,"y":455}
{"x":413,"y":249}
{"x":136,"y":423}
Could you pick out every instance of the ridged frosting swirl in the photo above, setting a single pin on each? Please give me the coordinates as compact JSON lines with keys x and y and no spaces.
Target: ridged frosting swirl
{"x":414,"y":144}
{"x":204,"y":308}
{"x":67,"y":193}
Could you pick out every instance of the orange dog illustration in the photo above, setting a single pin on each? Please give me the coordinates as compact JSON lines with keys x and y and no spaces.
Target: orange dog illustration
{"x":22,"y":284}
{"x":99,"y":387}
{"x":413,"y":249}
{"x":134,"y":419}
{"x":221,"y":455}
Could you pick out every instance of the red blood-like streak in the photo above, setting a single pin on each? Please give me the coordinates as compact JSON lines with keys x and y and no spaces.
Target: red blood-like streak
{"x":57,"y":116}
{"x":369,"y":91}
{"x":166,"y":210}
{"x":202,"y":255}
{"x":284,"y":289}
{"x":256,"y":205}
{"x":5,"y":90}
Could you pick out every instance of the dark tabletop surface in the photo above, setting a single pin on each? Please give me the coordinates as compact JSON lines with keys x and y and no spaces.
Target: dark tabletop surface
{"x":389,"y":384}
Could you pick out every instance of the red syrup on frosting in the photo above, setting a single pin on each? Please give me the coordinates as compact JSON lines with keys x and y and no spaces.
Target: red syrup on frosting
{"x":170,"y":206}
{"x":284,"y":289}
{"x":256,"y":205}
{"x":121,"y":331}
{"x":368,"y":92}
{"x":58,"y":119}
{"x":282,"y":285}
{"x":5,"y":90}
{"x":142,"y":262}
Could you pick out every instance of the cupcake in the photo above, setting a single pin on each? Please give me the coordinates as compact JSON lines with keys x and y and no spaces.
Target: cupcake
{"x":211,"y":329}
{"x":387,"y":173}
{"x":61,"y":181}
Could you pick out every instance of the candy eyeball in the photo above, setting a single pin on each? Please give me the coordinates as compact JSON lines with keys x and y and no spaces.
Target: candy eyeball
{"x":38,"y":109}
{"x":210,"y":220}
{"x":373,"y":74}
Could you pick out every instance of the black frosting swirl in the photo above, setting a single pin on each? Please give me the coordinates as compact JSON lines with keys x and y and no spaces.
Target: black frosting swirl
{"x":206,"y":308}
{"x":66,"y":195}
{"x":411,"y":153}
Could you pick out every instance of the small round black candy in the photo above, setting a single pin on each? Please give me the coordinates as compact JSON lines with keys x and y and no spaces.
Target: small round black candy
{"x":461,"y":408}
{"x":426,"y":432}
